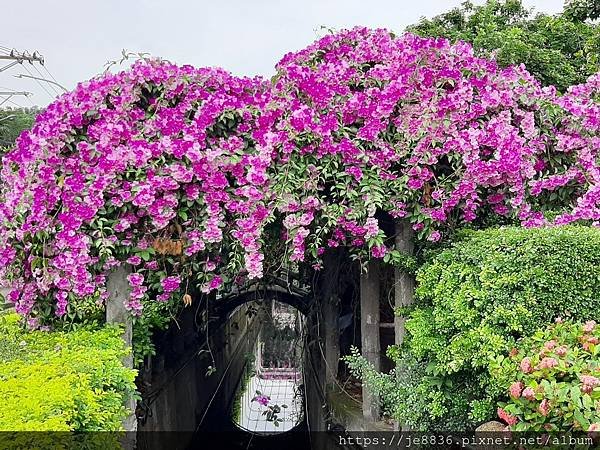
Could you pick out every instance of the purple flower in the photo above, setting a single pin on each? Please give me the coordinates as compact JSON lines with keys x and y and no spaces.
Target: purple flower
{"x":262,"y":400}
{"x":164,"y":174}
{"x":170,"y":284}
{"x":379,"y":251}
{"x":135,"y":279}
{"x":434,"y":236}
{"x":134,"y":260}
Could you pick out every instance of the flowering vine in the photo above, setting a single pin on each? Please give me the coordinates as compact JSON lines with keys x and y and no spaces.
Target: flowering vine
{"x":161,"y":167}
{"x":182,"y":173}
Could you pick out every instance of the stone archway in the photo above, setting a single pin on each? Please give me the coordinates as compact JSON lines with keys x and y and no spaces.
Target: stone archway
{"x":294,"y":297}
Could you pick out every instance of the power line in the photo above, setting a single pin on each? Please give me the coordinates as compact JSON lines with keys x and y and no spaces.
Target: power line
{"x":49,"y":73}
{"x":8,"y":66}
{"x":42,"y":78}
{"x":52,"y":83}
{"x":16,"y":57}
{"x":28,"y":97}
{"x":10,"y":101}
{"x":11,"y":92}
{"x":38,"y":82}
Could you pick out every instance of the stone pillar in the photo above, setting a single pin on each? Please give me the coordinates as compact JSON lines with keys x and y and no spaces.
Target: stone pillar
{"x":404,"y":282}
{"x":118,"y":293}
{"x":370,"y":292}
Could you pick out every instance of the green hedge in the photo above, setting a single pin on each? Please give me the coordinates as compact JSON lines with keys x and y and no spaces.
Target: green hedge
{"x":478,"y":297}
{"x":62,"y":381}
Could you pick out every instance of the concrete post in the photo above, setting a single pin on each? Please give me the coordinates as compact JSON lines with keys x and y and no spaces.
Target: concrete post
{"x":370,"y":287}
{"x":118,"y":293}
{"x":404,"y":282}
{"x":331,"y":313}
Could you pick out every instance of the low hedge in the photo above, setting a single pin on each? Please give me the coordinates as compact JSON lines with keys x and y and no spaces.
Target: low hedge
{"x":476,"y":298}
{"x":59,"y":381}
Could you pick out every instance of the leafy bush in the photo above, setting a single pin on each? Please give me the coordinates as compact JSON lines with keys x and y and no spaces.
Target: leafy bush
{"x":553,"y":380}
{"x":478,"y":297}
{"x":474,"y":301}
{"x":407,"y":393}
{"x":57,"y":381}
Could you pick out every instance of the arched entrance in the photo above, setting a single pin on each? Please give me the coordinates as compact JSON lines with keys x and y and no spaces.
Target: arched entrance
{"x":269,"y":398}
{"x":210,"y":364}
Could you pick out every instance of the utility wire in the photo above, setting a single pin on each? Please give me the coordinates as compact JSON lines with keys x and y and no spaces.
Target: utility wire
{"x":26,"y":96}
{"x":52,"y":85}
{"x":45,"y":80}
{"x":19,"y":57}
{"x":38,"y":82}
{"x":14,"y":103}
{"x":49,"y":73}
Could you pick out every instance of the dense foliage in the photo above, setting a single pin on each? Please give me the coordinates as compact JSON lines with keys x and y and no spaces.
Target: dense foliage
{"x":552,"y":380}
{"x":12,"y":122}
{"x":561,"y":50}
{"x":475,"y":300}
{"x":582,"y":9}
{"x":199,"y":181}
{"x":409,"y":392}
{"x":62,"y":381}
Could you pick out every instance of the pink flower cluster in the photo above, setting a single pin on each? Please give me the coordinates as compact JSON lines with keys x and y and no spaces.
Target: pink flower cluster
{"x":106,"y":169}
{"x":537,"y":398}
{"x":515,"y":389}
{"x":507,"y":417}
{"x":589,"y":382}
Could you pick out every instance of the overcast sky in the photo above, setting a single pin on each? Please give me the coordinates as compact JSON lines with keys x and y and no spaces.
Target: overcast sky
{"x":244,"y":36}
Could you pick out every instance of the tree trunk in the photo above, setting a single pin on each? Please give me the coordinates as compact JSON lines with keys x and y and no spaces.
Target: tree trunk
{"x":370,"y":287}
{"x":331,"y":312}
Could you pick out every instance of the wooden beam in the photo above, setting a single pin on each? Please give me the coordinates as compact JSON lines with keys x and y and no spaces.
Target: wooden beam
{"x":330,"y":308}
{"x":404,"y":283}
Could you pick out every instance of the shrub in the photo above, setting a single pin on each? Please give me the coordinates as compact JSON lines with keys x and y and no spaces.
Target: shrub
{"x":57,"y":381}
{"x":553,"y":380}
{"x":478,"y":297}
{"x":406,"y":392}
